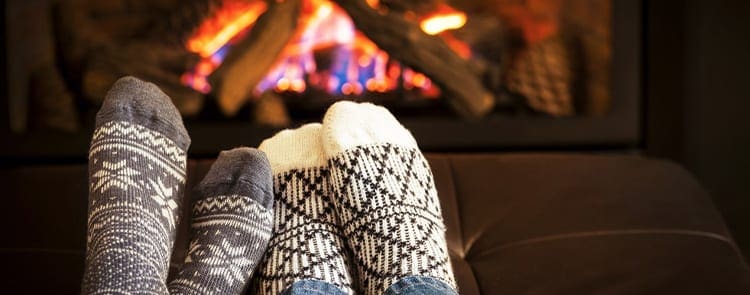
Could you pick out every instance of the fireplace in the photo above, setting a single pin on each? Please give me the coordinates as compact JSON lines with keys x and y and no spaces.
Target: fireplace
{"x":462,"y":75}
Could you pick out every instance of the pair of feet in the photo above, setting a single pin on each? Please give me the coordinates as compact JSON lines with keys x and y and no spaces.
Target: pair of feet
{"x":355,"y":205}
{"x":137,"y":177}
{"x":350,"y":202}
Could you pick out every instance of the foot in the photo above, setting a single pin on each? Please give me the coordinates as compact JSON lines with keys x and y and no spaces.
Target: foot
{"x":385,"y":198}
{"x":231,"y":226}
{"x":136,"y":182}
{"x":307,"y":243}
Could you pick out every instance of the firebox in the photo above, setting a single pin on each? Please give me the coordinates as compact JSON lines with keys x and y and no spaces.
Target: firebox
{"x":461,"y":75}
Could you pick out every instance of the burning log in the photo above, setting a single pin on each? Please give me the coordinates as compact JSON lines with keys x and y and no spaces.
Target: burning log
{"x":270,"y":110}
{"x":417,"y":6}
{"x":181,"y":22}
{"x":250,"y":60}
{"x":149,"y":61}
{"x":52,"y":105}
{"x":404,"y":41}
{"x":91,"y":36}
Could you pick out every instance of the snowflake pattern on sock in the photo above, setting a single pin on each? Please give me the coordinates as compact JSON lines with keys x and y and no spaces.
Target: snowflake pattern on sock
{"x":118,"y":175}
{"x":230,"y":234}
{"x":137,"y":176}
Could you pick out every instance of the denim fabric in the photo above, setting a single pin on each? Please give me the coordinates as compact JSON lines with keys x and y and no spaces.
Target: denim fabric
{"x":312,"y":287}
{"x":412,"y":285}
{"x":418,"y":285}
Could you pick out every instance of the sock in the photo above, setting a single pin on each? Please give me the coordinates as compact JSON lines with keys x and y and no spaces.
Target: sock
{"x":136,"y":182}
{"x":385,"y":197}
{"x":307,"y":243}
{"x":231,"y":226}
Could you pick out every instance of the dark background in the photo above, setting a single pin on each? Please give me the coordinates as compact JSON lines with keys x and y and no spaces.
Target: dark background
{"x":698,"y":107}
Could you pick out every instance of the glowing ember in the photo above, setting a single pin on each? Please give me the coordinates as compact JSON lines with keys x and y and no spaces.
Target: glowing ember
{"x":373,"y":3}
{"x":444,"y":19}
{"x":356,"y":66}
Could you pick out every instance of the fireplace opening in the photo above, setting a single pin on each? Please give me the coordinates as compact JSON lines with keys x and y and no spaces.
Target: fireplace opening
{"x":325,"y":58}
{"x":460,"y":74}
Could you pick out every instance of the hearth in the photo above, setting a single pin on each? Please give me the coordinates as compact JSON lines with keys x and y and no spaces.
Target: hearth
{"x":462,"y":75}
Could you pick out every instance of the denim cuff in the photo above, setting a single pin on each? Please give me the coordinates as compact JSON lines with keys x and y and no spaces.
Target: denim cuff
{"x":416,"y":285}
{"x":312,"y":287}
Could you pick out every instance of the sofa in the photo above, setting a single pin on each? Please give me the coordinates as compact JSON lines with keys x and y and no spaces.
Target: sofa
{"x":520,"y":223}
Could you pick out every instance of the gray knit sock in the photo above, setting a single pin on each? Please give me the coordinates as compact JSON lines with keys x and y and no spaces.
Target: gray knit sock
{"x":232,"y":220}
{"x":136,"y":182}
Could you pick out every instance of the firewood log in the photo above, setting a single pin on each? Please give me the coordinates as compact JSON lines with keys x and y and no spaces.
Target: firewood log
{"x":106,"y":65}
{"x":404,"y":41}
{"x":251,"y":59}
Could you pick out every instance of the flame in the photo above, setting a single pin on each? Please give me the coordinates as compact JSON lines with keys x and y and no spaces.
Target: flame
{"x":445,"y":18}
{"x":233,"y":17}
{"x":356,"y":65}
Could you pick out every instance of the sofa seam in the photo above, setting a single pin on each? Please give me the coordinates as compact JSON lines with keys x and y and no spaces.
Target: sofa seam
{"x":459,"y":216}
{"x":611,"y":233}
{"x":464,"y":253}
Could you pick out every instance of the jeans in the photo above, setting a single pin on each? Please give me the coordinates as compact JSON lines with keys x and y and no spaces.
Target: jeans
{"x":411,"y":285}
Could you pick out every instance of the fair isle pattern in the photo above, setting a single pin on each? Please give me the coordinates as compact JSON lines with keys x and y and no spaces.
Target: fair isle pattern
{"x":388,"y":206}
{"x":307,"y":242}
{"x":140,"y":141}
{"x":229,"y":236}
{"x":136,"y":178}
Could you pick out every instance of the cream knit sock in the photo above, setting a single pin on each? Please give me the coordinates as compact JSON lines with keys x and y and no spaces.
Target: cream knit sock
{"x":307,"y":243}
{"x":385,"y":197}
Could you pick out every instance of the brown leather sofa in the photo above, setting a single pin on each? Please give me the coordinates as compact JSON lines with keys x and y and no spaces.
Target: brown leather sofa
{"x":517,"y":224}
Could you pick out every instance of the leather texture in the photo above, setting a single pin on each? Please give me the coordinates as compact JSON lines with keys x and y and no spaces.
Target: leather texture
{"x":516,"y":224}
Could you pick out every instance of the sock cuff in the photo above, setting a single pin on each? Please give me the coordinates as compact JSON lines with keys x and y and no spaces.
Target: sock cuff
{"x":295,"y":149}
{"x":348,"y":125}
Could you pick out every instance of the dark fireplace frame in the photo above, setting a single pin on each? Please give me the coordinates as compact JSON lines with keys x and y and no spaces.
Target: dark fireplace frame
{"x":619,"y":129}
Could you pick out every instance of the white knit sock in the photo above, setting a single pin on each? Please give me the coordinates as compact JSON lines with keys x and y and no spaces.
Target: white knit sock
{"x":306,"y":242}
{"x":385,"y":197}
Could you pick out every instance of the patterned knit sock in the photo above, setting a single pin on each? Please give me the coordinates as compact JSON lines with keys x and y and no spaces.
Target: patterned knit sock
{"x":307,"y":243}
{"x":232,"y":219}
{"x":136,"y":183}
{"x":385,"y":197}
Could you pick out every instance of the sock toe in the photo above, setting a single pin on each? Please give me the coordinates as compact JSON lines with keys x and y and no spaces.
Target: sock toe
{"x":348,"y":124}
{"x":241,"y":171}
{"x":133,"y":100}
{"x":295,"y":148}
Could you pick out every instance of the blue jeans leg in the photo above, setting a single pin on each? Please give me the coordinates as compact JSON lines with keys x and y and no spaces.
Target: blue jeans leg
{"x":312,"y":287}
{"x":419,"y":285}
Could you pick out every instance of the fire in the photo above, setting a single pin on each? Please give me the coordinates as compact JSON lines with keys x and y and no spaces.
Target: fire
{"x":356,"y":64}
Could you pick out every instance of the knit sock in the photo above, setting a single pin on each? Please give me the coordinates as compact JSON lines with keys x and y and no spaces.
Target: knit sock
{"x":136,"y":182}
{"x":385,"y":197}
{"x":232,"y":218}
{"x":307,"y":243}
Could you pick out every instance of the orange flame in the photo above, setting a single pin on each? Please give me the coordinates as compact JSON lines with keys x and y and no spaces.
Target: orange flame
{"x":232,"y":18}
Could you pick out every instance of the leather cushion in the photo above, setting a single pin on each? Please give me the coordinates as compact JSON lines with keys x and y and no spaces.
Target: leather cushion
{"x":517,"y":224}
